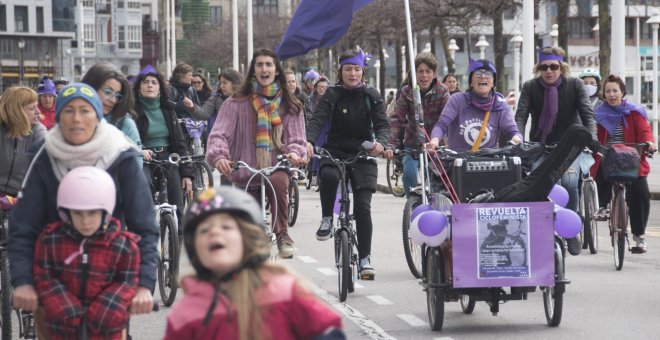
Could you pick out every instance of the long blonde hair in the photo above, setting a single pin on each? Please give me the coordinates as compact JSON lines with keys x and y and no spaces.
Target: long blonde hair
{"x":12,"y":116}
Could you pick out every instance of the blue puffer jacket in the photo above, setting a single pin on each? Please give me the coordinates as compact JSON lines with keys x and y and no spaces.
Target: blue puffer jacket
{"x":37,"y":208}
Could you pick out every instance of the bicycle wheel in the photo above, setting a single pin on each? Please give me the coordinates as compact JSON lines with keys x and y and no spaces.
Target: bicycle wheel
{"x":343,"y":265}
{"x":467,"y":304}
{"x":5,"y":291}
{"x":619,"y":218}
{"x":435,"y":296}
{"x":412,"y":251}
{"x":553,"y":297}
{"x":294,"y":199}
{"x":168,"y":266}
{"x":590,"y":224}
{"x":203,"y":177}
{"x":309,"y":175}
{"x":394,"y":180}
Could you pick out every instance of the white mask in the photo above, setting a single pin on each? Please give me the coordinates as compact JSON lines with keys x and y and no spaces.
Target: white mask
{"x":591,"y":89}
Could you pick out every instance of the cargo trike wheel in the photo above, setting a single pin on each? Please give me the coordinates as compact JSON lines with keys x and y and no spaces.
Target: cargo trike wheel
{"x":435,"y":296}
{"x":467,"y":304}
{"x":553,"y":297}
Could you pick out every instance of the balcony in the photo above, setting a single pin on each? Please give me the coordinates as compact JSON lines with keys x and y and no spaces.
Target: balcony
{"x":103,"y":7}
{"x":105,"y":49}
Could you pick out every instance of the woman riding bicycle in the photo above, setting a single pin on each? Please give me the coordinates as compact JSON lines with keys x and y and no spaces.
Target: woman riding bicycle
{"x":161,"y":136}
{"x":474,"y":119}
{"x":356,"y":112}
{"x":620,"y":121}
{"x":19,"y":130}
{"x":260,"y":122}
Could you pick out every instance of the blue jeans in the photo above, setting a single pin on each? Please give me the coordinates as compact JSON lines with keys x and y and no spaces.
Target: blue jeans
{"x":569,"y":180}
{"x":410,"y":166}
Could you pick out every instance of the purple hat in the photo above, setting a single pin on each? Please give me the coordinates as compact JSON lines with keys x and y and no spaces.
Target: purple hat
{"x":360,"y":59}
{"x":46,"y":87}
{"x":148,"y":70}
{"x":311,"y":74}
{"x":481,"y":64}
{"x":549,"y":56}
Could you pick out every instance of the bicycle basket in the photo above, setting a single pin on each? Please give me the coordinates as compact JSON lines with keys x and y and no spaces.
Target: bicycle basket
{"x":621,"y":163}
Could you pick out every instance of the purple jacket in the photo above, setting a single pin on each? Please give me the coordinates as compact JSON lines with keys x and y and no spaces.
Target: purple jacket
{"x":233,"y":138}
{"x":463,"y":122}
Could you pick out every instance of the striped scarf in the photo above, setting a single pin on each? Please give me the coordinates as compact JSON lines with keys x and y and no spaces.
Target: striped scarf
{"x":266,"y":102}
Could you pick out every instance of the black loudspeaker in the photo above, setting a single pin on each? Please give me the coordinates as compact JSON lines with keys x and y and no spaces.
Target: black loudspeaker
{"x":469,"y":176}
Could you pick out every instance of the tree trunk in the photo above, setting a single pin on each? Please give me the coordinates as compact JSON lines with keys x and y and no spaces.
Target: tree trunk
{"x":432,"y":39}
{"x":444,"y":40}
{"x":605,"y":33}
{"x":499,"y":47}
{"x":381,"y":70}
{"x":562,"y":21}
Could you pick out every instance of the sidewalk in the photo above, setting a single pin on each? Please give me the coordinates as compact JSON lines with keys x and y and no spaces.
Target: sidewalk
{"x":653,"y":178}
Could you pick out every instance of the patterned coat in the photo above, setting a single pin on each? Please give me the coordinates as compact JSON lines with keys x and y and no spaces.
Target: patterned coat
{"x":111,"y":279}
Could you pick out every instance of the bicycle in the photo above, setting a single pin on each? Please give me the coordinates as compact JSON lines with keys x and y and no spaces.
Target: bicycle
{"x":168,"y":264}
{"x":588,"y":205}
{"x":394,"y":175}
{"x":618,"y":212}
{"x":346,"y":255}
{"x":203,"y":176}
{"x":294,"y":199}
{"x":283,"y":164}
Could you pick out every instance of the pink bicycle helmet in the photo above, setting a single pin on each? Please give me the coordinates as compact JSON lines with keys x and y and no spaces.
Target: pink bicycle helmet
{"x":86,"y":188}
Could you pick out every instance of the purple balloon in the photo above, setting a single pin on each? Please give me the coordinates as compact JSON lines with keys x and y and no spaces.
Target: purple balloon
{"x":432,"y":222}
{"x":420,"y":209}
{"x":567,"y":223}
{"x":559,"y":195}
{"x":337,"y":206}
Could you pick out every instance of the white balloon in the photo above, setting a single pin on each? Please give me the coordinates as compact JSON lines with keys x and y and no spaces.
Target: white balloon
{"x":430,"y":240}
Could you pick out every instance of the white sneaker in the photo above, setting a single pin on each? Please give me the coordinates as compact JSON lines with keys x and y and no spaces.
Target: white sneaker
{"x":641,"y":243}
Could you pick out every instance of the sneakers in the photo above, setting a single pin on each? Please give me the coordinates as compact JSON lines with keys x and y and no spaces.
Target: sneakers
{"x":641,"y":244}
{"x":285,"y":245}
{"x":574,"y":246}
{"x":367,"y":272}
{"x":325,"y":229}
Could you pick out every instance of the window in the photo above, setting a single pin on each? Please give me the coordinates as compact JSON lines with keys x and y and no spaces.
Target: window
{"x":21,"y":18}
{"x":3,"y":17}
{"x":133,"y":4}
{"x":7,"y":47}
{"x":88,"y":3}
{"x":121,"y":37}
{"x":216,"y":15}
{"x":89,"y":36}
{"x":120,"y":4}
{"x":264,"y":7}
{"x":134,"y":37}
{"x":40,"y":19}
{"x":581,"y":27}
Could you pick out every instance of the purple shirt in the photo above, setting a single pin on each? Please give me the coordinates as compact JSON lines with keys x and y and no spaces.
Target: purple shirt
{"x":233,"y":137}
{"x":463,"y":121}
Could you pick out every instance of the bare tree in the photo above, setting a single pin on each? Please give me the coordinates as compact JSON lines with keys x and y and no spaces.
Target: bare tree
{"x":562,"y":19}
{"x":605,"y":33}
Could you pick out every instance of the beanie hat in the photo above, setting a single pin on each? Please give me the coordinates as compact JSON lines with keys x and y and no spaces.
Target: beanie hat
{"x":78,"y":90}
{"x":46,"y":87}
{"x":311,"y":74}
{"x":481,"y":64}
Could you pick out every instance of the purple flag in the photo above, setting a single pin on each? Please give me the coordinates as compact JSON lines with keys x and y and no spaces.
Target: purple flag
{"x":316,"y":24}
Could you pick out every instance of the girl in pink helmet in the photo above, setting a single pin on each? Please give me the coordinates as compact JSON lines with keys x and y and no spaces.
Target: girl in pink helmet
{"x":85,"y":266}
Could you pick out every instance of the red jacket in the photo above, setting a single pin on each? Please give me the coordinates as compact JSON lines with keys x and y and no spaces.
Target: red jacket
{"x":290,"y":312}
{"x":636,"y":130}
{"x":48,"y":116}
{"x":111,"y":284}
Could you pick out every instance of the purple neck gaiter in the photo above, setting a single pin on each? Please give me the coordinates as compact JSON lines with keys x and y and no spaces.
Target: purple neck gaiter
{"x":482,"y":103}
{"x":549,"y":111}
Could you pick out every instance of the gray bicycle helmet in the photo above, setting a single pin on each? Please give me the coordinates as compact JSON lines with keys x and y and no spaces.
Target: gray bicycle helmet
{"x":212,"y":201}
{"x":589,"y":72}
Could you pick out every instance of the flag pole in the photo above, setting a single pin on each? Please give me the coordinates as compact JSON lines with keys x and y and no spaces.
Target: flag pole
{"x":417,"y":99}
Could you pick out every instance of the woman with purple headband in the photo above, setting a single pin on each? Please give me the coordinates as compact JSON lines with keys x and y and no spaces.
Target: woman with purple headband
{"x":555,"y":102}
{"x":356,"y":113}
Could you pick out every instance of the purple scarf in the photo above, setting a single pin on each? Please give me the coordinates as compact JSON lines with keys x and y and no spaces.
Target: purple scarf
{"x":549,"y":111}
{"x":609,"y":117}
{"x":482,"y":103}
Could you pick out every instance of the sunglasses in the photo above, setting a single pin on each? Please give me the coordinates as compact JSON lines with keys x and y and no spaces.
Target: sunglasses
{"x":481,"y":73}
{"x":545,"y":67}
{"x":108,"y":92}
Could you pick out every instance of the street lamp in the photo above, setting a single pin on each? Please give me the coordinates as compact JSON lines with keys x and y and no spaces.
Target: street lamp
{"x":654,"y":21}
{"x":517,"y":42}
{"x":377,"y":67}
{"x":482,"y":44}
{"x":554,"y":35}
{"x":21,"y":71}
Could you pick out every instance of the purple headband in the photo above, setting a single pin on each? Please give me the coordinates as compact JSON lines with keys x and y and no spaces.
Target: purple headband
{"x":360,"y":59}
{"x":549,"y":56}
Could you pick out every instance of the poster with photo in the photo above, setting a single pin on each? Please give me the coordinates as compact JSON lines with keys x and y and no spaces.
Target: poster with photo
{"x":503,"y":242}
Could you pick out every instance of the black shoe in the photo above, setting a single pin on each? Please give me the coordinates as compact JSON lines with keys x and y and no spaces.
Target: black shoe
{"x":325,"y":229}
{"x":574,"y":246}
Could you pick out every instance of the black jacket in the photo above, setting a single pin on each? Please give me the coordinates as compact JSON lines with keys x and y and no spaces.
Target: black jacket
{"x":355,"y":115}
{"x":176,"y":138}
{"x":574,"y":108}
{"x":176,"y":92}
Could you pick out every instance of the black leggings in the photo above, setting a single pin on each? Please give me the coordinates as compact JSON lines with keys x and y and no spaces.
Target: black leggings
{"x":638,"y":198}
{"x":174,"y":188}
{"x":329,"y":176}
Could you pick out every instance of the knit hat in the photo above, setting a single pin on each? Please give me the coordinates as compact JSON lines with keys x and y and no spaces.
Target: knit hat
{"x":78,"y":90}
{"x":481,"y":64}
{"x":311,"y":74}
{"x":46,"y":87}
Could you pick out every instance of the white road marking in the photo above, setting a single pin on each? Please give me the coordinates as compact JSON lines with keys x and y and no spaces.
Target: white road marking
{"x":327,"y":271}
{"x":357,"y":285}
{"x":307,"y":259}
{"x":444,"y":338}
{"x":369,"y":327}
{"x":379,"y":300}
{"x":412,"y":320}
